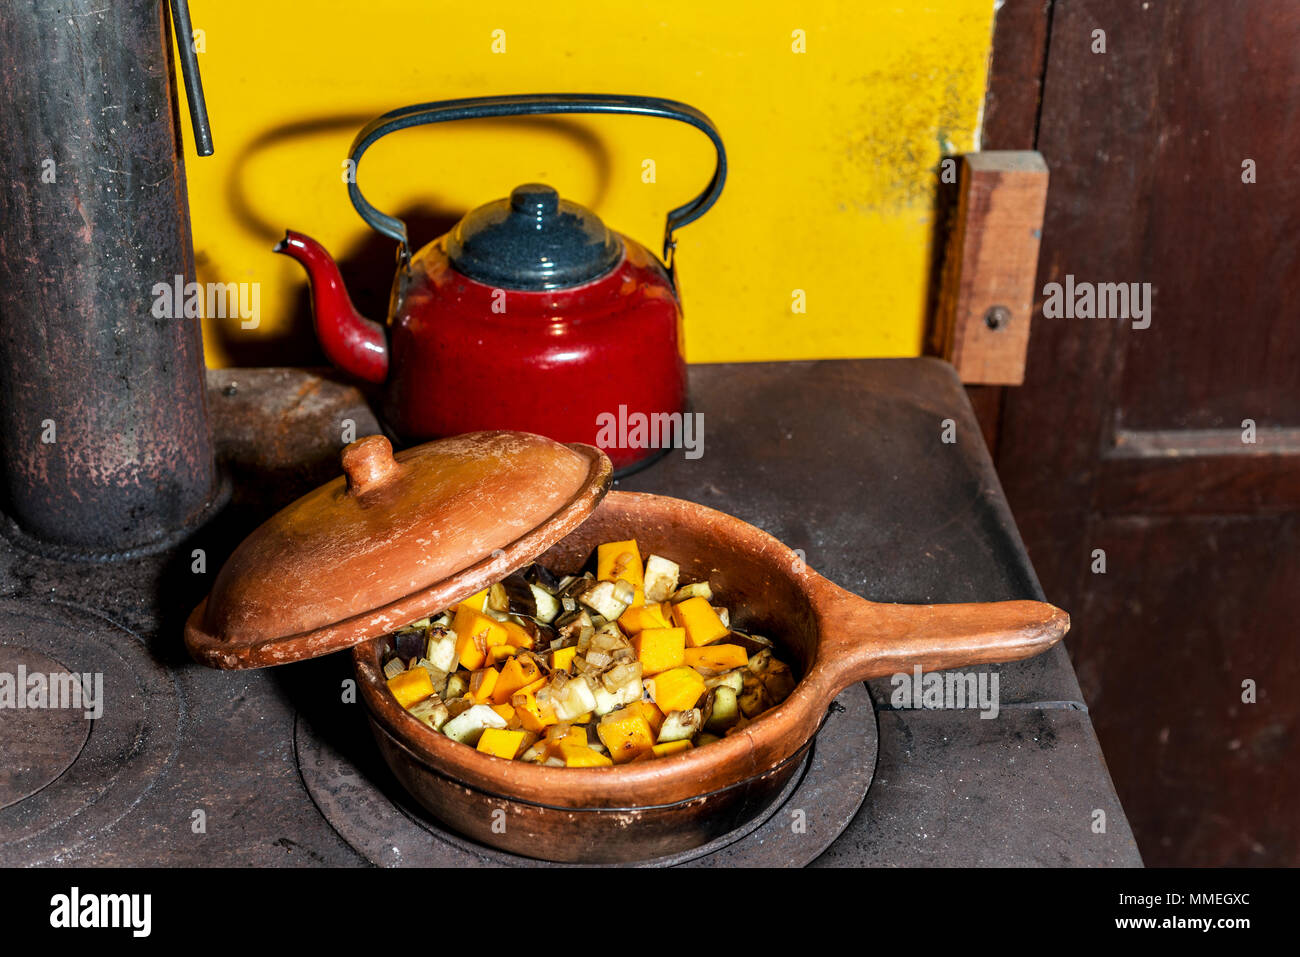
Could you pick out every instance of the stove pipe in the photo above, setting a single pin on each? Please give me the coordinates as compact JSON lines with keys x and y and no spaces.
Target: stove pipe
{"x":103,"y":417}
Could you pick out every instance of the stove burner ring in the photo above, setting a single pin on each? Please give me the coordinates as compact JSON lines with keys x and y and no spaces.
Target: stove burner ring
{"x":382,"y":822}
{"x":39,"y":743}
{"x":85,"y":775}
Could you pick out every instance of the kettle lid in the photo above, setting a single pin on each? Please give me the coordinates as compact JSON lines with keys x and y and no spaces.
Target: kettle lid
{"x":533,"y":241}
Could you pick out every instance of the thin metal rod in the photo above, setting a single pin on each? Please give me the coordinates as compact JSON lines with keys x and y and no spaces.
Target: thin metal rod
{"x":190,"y":72}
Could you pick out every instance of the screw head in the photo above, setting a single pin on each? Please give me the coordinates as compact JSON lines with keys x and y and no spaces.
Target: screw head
{"x":998,"y":317}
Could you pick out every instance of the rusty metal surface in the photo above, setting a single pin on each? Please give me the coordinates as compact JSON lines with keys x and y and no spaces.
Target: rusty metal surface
{"x":279,"y":431}
{"x":842,"y":459}
{"x":103,"y":426}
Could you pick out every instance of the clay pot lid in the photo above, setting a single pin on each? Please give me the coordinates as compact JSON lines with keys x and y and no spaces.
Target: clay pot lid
{"x":396,"y":538}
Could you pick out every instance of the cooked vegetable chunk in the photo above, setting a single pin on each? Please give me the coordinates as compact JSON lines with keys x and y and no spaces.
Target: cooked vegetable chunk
{"x":590,"y":670}
{"x":515,"y":674}
{"x":676,"y":690}
{"x":716,"y":658}
{"x":500,"y":743}
{"x":475,"y":633}
{"x":636,"y":619}
{"x":660,"y":578}
{"x":681,"y":725}
{"x":699,"y":619}
{"x":626,"y":733}
{"x":581,"y":756}
{"x":410,"y":686}
{"x":659,"y":649}
{"x":470,"y":724}
{"x":615,"y":560}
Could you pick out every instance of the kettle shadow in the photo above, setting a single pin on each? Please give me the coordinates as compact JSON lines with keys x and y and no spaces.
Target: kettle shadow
{"x":368,"y":265}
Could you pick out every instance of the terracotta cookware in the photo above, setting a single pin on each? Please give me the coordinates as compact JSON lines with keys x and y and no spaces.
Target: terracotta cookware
{"x":399,"y":537}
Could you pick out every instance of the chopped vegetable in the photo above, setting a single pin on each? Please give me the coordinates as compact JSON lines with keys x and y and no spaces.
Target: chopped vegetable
{"x":522,"y":669}
{"x":660,"y":578}
{"x":431,"y":711}
{"x":477,"y":602}
{"x":581,"y":756}
{"x":676,"y":690}
{"x":515,"y":674}
{"x":681,"y":725}
{"x":410,"y":686}
{"x":659,"y":649}
{"x":500,"y":743}
{"x":482,"y":684}
{"x":696,"y":590}
{"x":716,"y":658}
{"x":475,"y":633}
{"x":626,"y":733}
{"x":470,"y":724}
{"x":620,"y":560}
{"x":699,"y":619}
{"x":725,"y":711}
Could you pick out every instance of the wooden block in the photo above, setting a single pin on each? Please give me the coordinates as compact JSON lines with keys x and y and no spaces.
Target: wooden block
{"x":987,"y":294}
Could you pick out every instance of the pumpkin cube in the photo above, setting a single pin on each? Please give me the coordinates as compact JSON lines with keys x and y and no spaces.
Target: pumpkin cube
{"x":532,"y":714}
{"x":477,"y":602}
{"x":500,"y":743}
{"x":562,"y":658}
{"x":676,"y":690}
{"x":615,"y":560}
{"x":535,"y":687}
{"x":581,"y":756}
{"x":637,"y":619}
{"x":670,"y":747}
{"x":659,"y":649}
{"x":518,"y":634}
{"x":701,"y":622}
{"x":482,"y":683}
{"x":716,"y":659}
{"x":409,"y":687}
{"x":516,"y":673}
{"x":626,"y":733}
{"x":475,"y":633}
{"x":650,"y":711}
{"x":506,"y":711}
{"x":499,"y":653}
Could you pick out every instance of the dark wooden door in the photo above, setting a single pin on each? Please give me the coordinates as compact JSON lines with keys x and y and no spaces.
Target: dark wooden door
{"x":1135,"y":443}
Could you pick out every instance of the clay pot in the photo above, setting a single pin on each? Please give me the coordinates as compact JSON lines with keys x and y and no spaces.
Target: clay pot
{"x":401,"y":537}
{"x":832,"y":638}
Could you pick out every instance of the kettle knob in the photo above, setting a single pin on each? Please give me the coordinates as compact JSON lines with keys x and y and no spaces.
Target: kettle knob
{"x":535,"y":199}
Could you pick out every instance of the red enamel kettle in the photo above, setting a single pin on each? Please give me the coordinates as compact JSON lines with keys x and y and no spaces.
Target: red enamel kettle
{"x":529,"y":315}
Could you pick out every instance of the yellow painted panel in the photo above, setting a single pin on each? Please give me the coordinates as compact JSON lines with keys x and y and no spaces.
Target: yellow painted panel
{"x":833,"y":152}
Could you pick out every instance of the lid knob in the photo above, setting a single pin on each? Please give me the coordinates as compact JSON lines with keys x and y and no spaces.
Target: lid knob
{"x":535,"y":199}
{"x":533,"y":240}
{"x":368,"y":463}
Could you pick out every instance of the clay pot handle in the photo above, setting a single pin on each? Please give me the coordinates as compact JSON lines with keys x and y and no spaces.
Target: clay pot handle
{"x":862,"y":639}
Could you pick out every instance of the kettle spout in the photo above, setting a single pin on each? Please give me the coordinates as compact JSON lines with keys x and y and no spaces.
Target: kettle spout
{"x":350,"y":341}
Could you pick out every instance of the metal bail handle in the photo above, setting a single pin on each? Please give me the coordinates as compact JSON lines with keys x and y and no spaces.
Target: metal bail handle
{"x":481,"y":107}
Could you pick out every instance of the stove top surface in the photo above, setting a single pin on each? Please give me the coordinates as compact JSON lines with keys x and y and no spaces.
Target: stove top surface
{"x":843,"y":460}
